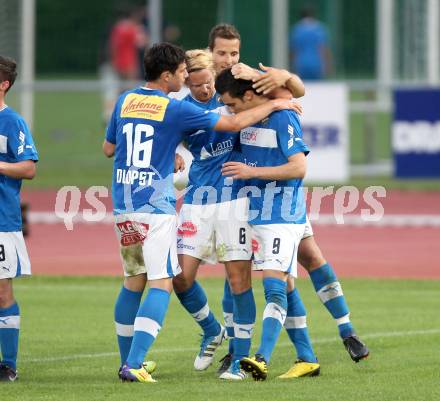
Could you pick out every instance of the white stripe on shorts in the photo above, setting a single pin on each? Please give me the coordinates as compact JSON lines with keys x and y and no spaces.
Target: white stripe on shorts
{"x":124,"y":330}
{"x":147,"y":325}
{"x":10,"y":322}
{"x":275,"y":311}
{"x":202,"y":314}
{"x":330,"y":291}
{"x":295,"y":322}
{"x":343,"y":319}
{"x":243,"y":330}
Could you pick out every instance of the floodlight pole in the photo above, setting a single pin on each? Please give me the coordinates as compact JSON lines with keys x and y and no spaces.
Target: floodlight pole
{"x":279,"y":33}
{"x":384,"y":41}
{"x":433,"y":64}
{"x":27,"y":60}
{"x":154,"y":9}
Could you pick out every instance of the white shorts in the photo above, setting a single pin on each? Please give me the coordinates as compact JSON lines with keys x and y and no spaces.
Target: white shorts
{"x":308,"y":231}
{"x":148,"y":244}
{"x":276,"y":247}
{"x":215,"y":232}
{"x":14,"y":259}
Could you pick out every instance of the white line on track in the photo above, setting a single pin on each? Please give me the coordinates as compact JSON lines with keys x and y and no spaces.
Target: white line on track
{"x":188,"y":349}
{"x":388,"y":220}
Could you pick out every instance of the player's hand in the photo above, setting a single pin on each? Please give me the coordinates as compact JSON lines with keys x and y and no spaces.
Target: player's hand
{"x":179,"y":163}
{"x":286,"y":104}
{"x":272,"y":79}
{"x":238,"y":170}
{"x":243,"y":71}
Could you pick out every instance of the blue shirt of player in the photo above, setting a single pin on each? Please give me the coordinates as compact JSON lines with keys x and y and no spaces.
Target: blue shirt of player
{"x":146,"y":126}
{"x":16,"y":145}
{"x":210,"y":150}
{"x":307,"y":38}
{"x":270,"y":143}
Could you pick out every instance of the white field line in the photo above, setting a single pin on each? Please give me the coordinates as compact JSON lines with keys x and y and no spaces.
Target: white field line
{"x":388,"y":220}
{"x":283,"y":344}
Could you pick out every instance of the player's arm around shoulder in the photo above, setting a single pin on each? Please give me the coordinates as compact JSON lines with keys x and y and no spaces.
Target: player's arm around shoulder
{"x":237,"y":122}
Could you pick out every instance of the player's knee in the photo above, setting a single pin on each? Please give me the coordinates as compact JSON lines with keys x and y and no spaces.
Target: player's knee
{"x":311,"y":260}
{"x":182,"y":283}
{"x":6,"y":297}
{"x":239,"y":284}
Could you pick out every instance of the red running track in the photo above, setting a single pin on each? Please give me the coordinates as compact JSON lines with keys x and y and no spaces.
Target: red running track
{"x":353,"y":251}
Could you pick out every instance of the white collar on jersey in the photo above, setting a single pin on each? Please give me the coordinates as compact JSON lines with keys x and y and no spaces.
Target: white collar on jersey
{"x":4,"y":107}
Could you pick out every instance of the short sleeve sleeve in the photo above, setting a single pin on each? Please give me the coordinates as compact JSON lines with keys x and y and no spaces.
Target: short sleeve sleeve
{"x":290,"y":134}
{"x":21,"y":145}
{"x":110,"y":135}
{"x":194,"y":118}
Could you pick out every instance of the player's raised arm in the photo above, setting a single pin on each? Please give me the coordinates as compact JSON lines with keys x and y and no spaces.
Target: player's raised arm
{"x":275,"y":78}
{"x":20,"y":170}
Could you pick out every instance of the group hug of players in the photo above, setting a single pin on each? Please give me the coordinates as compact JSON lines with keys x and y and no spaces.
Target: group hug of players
{"x":244,"y":207}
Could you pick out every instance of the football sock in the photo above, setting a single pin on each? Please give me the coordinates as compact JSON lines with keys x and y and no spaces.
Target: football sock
{"x":126,"y":308}
{"x":273,"y":316}
{"x":329,"y":291}
{"x":228,"y":310}
{"x":195,"y":302}
{"x":147,"y":324}
{"x":244,"y":321}
{"x":296,"y":327}
{"x":9,"y":331}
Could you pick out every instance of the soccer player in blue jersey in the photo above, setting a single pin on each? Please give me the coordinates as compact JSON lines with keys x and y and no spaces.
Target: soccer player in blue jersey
{"x":224,"y":42}
{"x":17,"y":162}
{"x":145,"y":128}
{"x":213,"y":220}
{"x":209,"y":221}
{"x":274,"y":165}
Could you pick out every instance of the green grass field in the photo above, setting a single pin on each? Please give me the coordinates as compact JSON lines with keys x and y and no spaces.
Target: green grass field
{"x":68,"y":347}
{"x":69,"y":130}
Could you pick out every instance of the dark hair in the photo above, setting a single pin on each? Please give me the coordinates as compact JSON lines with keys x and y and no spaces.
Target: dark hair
{"x":8,"y":70}
{"x":308,"y":11}
{"x":224,"y":31}
{"x":225,"y":82}
{"x":162,"y":57}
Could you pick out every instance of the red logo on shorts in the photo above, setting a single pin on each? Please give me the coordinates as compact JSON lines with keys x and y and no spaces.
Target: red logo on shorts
{"x":132,"y":232}
{"x":255,"y":245}
{"x":187,"y":229}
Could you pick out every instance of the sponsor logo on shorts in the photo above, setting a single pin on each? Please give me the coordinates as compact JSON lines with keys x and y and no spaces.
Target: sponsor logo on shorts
{"x":181,"y":245}
{"x":255,"y":245}
{"x":187,"y":229}
{"x":141,"y":106}
{"x":132,"y":232}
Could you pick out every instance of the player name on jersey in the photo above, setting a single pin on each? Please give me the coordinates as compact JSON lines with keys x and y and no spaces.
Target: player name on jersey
{"x":129,"y":177}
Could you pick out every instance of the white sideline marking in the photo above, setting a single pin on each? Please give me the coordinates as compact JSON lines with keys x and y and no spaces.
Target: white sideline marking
{"x":187,"y":349}
{"x":388,"y":220}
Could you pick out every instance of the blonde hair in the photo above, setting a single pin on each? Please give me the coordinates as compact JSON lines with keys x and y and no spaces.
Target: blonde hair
{"x":199,"y":59}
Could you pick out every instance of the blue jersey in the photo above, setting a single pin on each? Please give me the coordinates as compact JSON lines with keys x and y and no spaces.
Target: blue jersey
{"x":146,"y":126}
{"x":16,"y":145}
{"x":270,"y":143}
{"x":210,"y":150}
{"x":306,"y":41}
